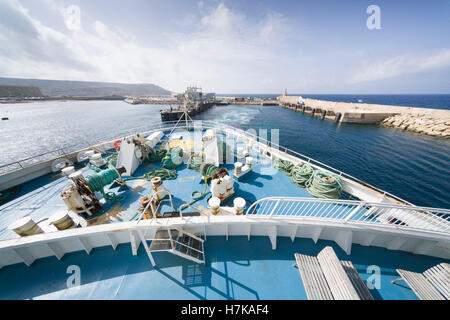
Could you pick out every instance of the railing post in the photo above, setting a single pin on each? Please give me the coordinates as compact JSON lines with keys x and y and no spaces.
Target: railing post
{"x":170,"y":237}
{"x":354,"y":211}
{"x":273,"y":210}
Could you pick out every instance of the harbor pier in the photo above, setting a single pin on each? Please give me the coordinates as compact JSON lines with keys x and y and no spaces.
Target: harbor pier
{"x":434,"y":122}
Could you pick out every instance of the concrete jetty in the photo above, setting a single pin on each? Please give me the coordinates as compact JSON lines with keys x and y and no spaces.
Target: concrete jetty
{"x":435,"y":122}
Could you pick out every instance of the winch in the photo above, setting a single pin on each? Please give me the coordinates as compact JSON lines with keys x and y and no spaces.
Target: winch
{"x":80,"y":197}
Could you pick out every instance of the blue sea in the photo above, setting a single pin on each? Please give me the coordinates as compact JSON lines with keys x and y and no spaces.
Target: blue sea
{"x":412,"y":166}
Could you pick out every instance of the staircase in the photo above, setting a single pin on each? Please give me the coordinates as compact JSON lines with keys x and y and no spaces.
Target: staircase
{"x":178,"y":242}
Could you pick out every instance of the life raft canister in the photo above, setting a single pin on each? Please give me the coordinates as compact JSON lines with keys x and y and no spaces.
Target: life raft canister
{"x":117,"y":144}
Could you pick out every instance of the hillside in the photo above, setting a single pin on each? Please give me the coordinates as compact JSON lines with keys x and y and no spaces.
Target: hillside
{"x":57,"y":88}
{"x":19,"y":91}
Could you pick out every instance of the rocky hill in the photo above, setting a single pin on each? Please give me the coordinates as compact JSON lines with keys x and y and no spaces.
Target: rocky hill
{"x":19,"y":91}
{"x":59,"y":88}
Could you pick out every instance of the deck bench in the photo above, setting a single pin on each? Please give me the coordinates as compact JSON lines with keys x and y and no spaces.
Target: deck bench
{"x":325,"y":277}
{"x":433,"y":284}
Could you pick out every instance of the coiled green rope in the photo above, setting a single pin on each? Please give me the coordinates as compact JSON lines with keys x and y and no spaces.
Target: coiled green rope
{"x":319,"y":183}
{"x":156,"y":155}
{"x":93,"y":168}
{"x":98,"y":180}
{"x":195,"y":161}
{"x":207,"y":169}
{"x":162,"y":173}
{"x":173,"y":158}
{"x":324,"y":185}
{"x":301,"y":174}
{"x":284,"y":166}
{"x":112,"y":159}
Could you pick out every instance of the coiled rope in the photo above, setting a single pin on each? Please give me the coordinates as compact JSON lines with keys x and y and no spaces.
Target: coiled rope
{"x":284,"y":166}
{"x":156,"y":155}
{"x":301,"y":174}
{"x":324,"y":185}
{"x":173,"y":158}
{"x":207,"y":169}
{"x":195,"y":161}
{"x":319,"y":183}
{"x":162,"y":173}
{"x":112,"y":159}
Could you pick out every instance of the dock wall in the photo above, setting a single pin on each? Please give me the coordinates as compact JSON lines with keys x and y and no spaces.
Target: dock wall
{"x":435,"y":122}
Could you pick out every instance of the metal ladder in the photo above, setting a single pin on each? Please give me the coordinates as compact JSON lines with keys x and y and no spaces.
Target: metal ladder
{"x":179,"y":242}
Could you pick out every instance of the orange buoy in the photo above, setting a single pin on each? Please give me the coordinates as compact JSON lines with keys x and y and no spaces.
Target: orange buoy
{"x":117,"y":144}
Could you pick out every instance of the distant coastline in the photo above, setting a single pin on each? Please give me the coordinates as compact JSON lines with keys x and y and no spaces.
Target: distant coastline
{"x":62,"y":99}
{"x":22,"y":90}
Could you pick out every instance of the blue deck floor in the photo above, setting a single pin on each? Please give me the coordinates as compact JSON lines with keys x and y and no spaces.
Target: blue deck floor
{"x":234,"y":269}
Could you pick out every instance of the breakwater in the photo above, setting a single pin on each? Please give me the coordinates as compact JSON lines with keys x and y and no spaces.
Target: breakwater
{"x":434,"y":122}
{"x":420,"y":123}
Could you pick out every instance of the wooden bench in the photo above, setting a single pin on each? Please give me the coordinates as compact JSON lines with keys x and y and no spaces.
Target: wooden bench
{"x":433,"y":284}
{"x":325,"y":277}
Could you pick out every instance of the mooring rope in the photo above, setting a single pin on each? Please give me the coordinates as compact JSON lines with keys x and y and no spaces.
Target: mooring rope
{"x":319,"y":183}
{"x":301,"y":173}
{"x":284,"y":166}
{"x":324,"y":185}
{"x":173,"y":158}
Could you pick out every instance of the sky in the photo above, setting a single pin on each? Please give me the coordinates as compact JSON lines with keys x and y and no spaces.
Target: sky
{"x":232,"y":46}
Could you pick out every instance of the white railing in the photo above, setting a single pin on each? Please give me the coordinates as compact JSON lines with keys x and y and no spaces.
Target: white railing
{"x":356,"y":212}
{"x":200,"y":124}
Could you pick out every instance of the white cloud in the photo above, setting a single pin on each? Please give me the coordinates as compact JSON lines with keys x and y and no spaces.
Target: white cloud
{"x":400,"y":65}
{"x":225,"y":51}
{"x":274,"y":27}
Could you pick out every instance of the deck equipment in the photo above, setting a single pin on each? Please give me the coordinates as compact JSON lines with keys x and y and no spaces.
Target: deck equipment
{"x":433,"y":284}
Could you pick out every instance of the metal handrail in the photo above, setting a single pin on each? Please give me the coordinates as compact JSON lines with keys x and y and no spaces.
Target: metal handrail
{"x":180,"y":230}
{"x":184,"y":205}
{"x":403,"y":217}
{"x":208,"y":124}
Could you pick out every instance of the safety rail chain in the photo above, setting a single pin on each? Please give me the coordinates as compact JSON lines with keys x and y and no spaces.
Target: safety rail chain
{"x":353,"y":212}
{"x":205,"y":124}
